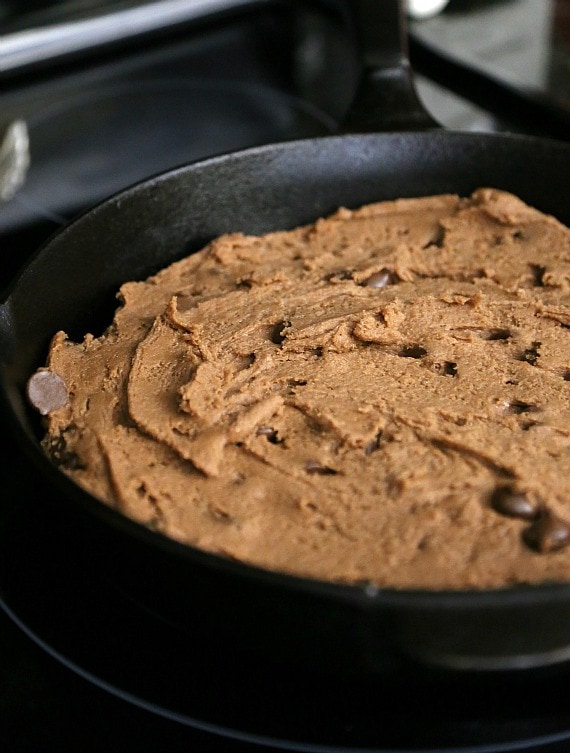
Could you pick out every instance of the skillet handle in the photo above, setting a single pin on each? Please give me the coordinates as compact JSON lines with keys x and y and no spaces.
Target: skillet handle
{"x":386,"y":98}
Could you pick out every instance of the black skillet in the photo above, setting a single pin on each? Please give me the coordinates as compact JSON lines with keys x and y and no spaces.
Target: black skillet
{"x":391,"y":148}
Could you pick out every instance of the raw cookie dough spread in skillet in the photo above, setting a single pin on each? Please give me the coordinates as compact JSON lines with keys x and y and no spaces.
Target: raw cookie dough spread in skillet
{"x":382,"y":396}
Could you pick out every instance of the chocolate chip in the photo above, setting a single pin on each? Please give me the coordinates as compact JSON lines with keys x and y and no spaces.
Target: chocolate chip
{"x":499,"y":334}
{"x":269,"y":432}
{"x":245,"y":284}
{"x":445,"y":368}
{"x":538,"y":274}
{"x":413,"y":351}
{"x":220,"y":514}
{"x":244,"y":362}
{"x":313,"y":466}
{"x":292,"y":385}
{"x":380,"y":279}
{"x":62,"y":456}
{"x":509,"y":501}
{"x":530,"y":355}
{"x":566,"y":376}
{"x":518,"y":406}
{"x":374,"y":444}
{"x":548,"y":533}
{"x":276,"y":335}
{"x":47,"y":391}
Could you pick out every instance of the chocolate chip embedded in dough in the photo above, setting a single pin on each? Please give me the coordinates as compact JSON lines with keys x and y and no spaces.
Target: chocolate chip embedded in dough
{"x":447,"y":368}
{"x":374,"y":444}
{"x":499,"y":334}
{"x":509,"y":501}
{"x":548,"y":533}
{"x":519,"y":406}
{"x":380,"y":279}
{"x":531,"y":355}
{"x":276,"y":334}
{"x":265,"y":431}
{"x":413,"y":351}
{"x":47,"y":391}
{"x":62,"y":456}
{"x":313,"y":466}
{"x":528,"y":425}
{"x":538,"y":272}
{"x":269,"y":432}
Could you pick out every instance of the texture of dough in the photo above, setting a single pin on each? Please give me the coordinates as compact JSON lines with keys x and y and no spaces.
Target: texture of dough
{"x":346,"y":400}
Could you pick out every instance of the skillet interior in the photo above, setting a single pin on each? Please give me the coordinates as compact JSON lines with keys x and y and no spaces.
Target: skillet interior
{"x":70,"y":285}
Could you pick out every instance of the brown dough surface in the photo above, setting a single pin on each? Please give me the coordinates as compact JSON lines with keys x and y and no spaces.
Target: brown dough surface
{"x":261,"y":401}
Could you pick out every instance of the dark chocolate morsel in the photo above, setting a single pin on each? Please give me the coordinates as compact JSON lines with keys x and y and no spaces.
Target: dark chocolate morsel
{"x":518,"y":406}
{"x":413,"y":351}
{"x":447,"y":368}
{"x":380,"y":279}
{"x":265,"y":431}
{"x":538,"y":272}
{"x":313,"y":466}
{"x":62,"y":456}
{"x":531,"y":355}
{"x":374,"y":444}
{"x":47,"y":391}
{"x":515,"y":504}
{"x":499,"y":334}
{"x":277,"y":335}
{"x":269,"y":432}
{"x":548,"y":533}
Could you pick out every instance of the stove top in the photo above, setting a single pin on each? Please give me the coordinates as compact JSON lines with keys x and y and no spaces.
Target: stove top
{"x":84,"y":666}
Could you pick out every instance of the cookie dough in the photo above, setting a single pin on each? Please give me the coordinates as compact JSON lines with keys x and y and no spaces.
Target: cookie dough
{"x":382,"y":396}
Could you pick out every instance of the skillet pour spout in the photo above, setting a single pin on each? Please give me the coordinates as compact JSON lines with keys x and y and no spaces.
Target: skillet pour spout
{"x":70,"y":285}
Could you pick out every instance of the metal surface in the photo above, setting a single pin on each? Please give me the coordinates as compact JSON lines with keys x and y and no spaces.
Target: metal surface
{"x":41,"y":44}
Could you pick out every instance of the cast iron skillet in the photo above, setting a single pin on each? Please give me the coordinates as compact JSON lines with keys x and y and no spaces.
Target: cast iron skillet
{"x":70,"y":285}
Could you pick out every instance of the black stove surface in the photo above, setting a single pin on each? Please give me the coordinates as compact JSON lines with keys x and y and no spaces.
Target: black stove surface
{"x":83,"y":666}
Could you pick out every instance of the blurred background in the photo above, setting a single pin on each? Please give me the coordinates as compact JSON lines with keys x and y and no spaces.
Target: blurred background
{"x":106,"y":92}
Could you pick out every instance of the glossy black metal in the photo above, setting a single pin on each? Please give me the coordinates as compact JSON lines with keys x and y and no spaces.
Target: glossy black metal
{"x":70,"y":284}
